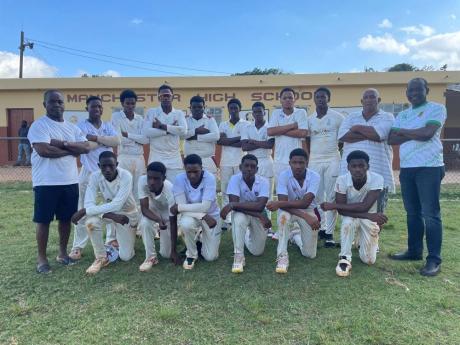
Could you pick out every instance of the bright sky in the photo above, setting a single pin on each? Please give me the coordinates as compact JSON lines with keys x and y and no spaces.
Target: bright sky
{"x":226,"y":36}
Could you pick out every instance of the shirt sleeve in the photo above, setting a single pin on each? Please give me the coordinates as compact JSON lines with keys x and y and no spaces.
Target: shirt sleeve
{"x":209,"y":191}
{"x":264,"y":188}
{"x":79,"y":135}
{"x":117,"y":203}
{"x":281,"y":186}
{"x":340,"y":185}
{"x":181,"y":128}
{"x":245,"y":133}
{"x":313,"y":183}
{"x":345,"y":126}
{"x":301,"y":119}
{"x":233,"y":187}
{"x":169,"y":197}
{"x":37,"y":134}
{"x":148,"y":130}
{"x":273,"y":122}
{"x":437,"y":115}
{"x":377,"y":182}
{"x":142,"y":188}
{"x":213,"y":134}
{"x":397,"y":123}
{"x":384,"y":126}
{"x":222,"y":127}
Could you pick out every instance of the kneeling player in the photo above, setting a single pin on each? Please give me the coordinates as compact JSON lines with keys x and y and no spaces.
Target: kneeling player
{"x":156,"y":198}
{"x":356,"y":198}
{"x":195,"y":196}
{"x":296,"y":189}
{"x":248,"y":194}
{"x":118,"y":209}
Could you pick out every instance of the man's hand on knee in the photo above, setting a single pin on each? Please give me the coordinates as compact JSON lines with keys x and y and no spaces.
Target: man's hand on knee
{"x":211,"y":222}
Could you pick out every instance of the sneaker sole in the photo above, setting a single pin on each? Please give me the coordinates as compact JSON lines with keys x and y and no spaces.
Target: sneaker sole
{"x":237,"y":270}
{"x":281,"y":270}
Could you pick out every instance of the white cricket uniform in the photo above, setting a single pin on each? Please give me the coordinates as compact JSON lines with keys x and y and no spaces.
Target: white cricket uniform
{"x":380,"y":153}
{"x":117,"y":198}
{"x":193,"y":204}
{"x":165,"y":145}
{"x":256,"y":236}
{"x":325,"y":160}
{"x":131,"y":149}
{"x":283,"y":143}
{"x":287,"y":185}
{"x":231,"y":156}
{"x":160,"y":204}
{"x":205,"y":144}
{"x":368,"y":231}
{"x":89,"y":164}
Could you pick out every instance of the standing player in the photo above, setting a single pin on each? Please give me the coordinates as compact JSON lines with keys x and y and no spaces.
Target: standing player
{"x":56,"y":143}
{"x":248,"y":193}
{"x":368,"y":131}
{"x":105,"y":137}
{"x":118,"y":209}
{"x":323,"y":126}
{"x":289,"y":128}
{"x":296,"y":188}
{"x":164,"y":126}
{"x":156,"y":198}
{"x":356,"y":198}
{"x":195,"y":195}
{"x":202,"y":134}
{"x":129,"y":126}
{"x":230,"y":140}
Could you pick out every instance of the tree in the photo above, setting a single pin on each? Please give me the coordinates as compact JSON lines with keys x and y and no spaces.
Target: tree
{"x":403,"y":67}
{"x":265,"y":71}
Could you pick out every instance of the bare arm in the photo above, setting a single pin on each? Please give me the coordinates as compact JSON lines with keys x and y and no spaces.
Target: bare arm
{"x":419,"y":134}
{"x":395,"y":139}
{"x":147,"y":212}
{"x":224,"y":141}
{"x":352,"y":137}
{"x":281,"y":130}
{"x":368,"y":132}
{"x":297,"y":133}
{"x":46,"y":150}
{"x":76,"y":148}
{"x":303,"y":203}
{"x":255,"y":206}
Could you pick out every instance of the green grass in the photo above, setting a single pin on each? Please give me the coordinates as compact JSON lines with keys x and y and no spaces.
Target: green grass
{"x":389,"y":303}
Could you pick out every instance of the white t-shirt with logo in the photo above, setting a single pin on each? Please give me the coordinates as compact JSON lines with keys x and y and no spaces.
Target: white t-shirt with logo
{"x":164,"y":145}
{"x":53,"y":171}
{"x":259,"y":134}
{"x":206,"y":191}
{"x":159,"y":203}
{"x":283,"y":143}
{"x":414,"y":153}
{"x":323,"y":136}
{"x":90,"y":160}
{"x":344,"y":185}
{"x":231,"y":156}
{"x":238,"y":187}
{"x":288,"y":185}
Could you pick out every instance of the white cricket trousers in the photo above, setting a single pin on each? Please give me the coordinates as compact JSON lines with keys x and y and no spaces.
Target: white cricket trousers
{"x":328,"y":172}
{"x":194,"y":228}
{"x":368,"y":238}
{"x":309,"y":237}
{"x":247,"y":230}
{"x":135,"y":164}
{"x":148,"y":230}
{"x":125,"y":235}
{"x":225,"y":174}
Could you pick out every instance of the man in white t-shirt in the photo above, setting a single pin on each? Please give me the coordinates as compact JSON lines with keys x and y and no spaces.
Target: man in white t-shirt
{"x":248,"y":193}
{"x":56,"y":144}
{"x":323,"y":126}
{"x":418,"y":131}
{"x":357,"y":193}
{"x":202,"y":134}
{"x":368,"y":131}
{"x":118,"y":209}
{"x":230,"y":140}
{"x":129,"y":126}
{"x":164,"y":126}
{"x":296,"y":188}
{"x":195,"y":196}
{"x":103,"y":134}
{"x":156,"y":198}
{"x":289,"y":127}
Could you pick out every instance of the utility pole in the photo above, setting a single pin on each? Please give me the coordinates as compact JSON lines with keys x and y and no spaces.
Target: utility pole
{"x":22,"y":47}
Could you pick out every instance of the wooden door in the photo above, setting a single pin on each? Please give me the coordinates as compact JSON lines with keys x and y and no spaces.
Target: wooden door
{"x":15,"y":117}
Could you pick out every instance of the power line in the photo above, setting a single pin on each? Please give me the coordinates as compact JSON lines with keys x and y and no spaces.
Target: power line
{"x":109,"y":61}
{"x":127,"y":59}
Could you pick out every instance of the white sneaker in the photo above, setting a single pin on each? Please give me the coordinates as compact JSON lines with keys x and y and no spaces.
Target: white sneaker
{"x":238,"y":263}
{"x":189,"y":263}
{"x":343,"y":267}
{"x":148,"y":264}
{"x":97,"y":265}
{"x":282,"y":264}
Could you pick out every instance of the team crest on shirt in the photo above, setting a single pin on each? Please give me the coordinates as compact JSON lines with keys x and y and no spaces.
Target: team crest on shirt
{"x":420,"y":114}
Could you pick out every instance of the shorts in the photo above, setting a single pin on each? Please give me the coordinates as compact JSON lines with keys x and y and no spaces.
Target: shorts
{"x":59,"y":201}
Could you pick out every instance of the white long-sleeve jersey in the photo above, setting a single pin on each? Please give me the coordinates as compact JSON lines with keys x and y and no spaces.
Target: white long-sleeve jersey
{"x":133,"y":144}
{"x":205,"y":144}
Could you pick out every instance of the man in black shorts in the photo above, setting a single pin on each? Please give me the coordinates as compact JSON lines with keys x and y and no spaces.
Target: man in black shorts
{"x":56,"y":144}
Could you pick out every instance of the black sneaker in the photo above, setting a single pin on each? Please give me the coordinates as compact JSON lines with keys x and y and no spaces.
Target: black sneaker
{"x":188,"y":263}
{"x":329,"y":243}
{"x":322,"y":235}
{"x":199,"y":245}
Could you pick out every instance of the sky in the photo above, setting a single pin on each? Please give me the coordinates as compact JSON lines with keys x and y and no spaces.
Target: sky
{"x":204,"y":38}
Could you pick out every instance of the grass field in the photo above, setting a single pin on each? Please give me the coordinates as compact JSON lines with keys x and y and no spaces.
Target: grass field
{"x":389,"y":303}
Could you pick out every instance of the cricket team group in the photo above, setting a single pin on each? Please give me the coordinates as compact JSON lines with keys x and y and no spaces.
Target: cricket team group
{"x":264,"y":169}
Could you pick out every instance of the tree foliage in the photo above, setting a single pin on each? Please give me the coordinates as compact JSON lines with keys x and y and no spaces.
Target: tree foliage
{"x":265,"y":71}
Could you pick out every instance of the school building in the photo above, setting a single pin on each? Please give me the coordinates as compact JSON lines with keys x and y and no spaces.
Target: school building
{"x":21,"y":99}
